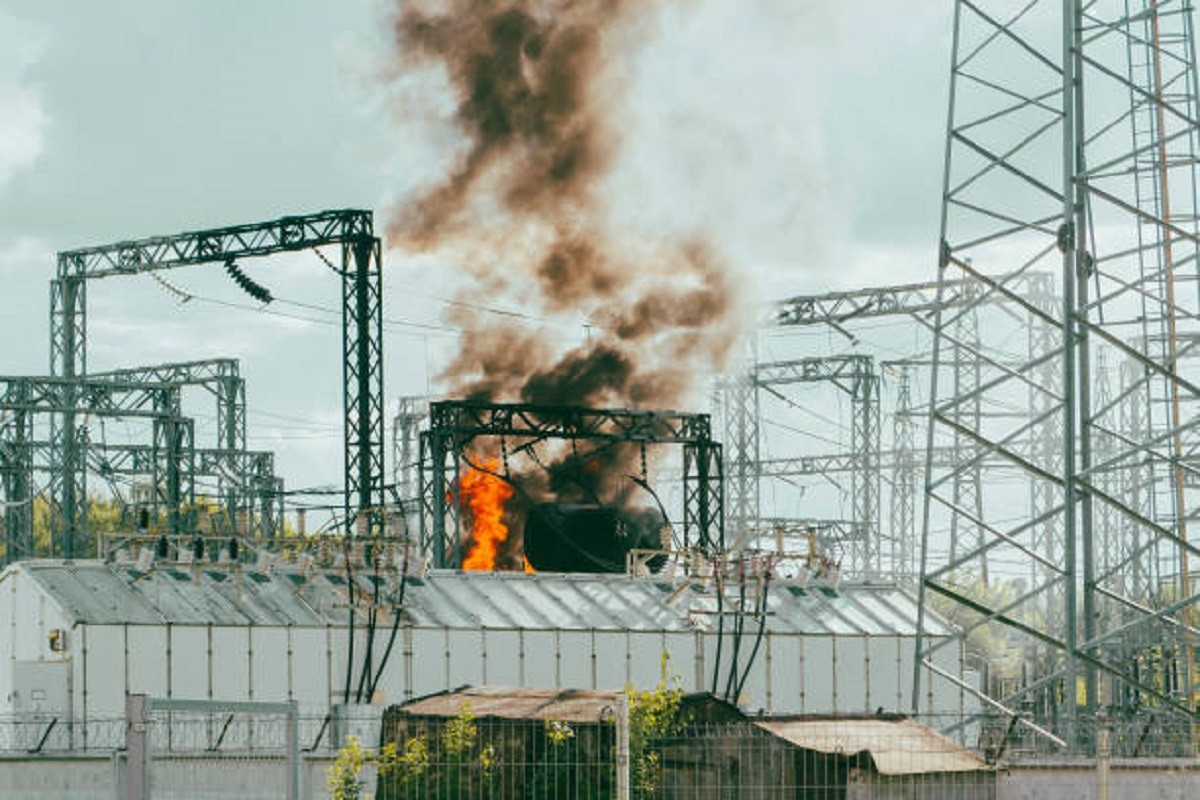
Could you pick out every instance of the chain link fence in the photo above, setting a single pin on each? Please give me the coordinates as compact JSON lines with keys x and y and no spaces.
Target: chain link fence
{"x":225,"y":750}
{"x":461,"y":757}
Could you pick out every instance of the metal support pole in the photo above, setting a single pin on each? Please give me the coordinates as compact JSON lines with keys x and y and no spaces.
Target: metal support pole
{"x":1103,"y":753}
{"x":362,"y":320}
{"x":293,"y":750}
{"x":137,"y":748}
{"x":68,"y":359}
{"x":623,"y":754}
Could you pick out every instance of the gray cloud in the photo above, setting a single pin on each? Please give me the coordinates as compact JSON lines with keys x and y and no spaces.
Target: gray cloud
{"x":22,"y":116}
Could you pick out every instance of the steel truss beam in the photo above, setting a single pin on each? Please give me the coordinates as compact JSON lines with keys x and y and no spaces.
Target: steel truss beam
{"x":360,"y":268}
{"x":1072,"y":142}
{"x":454,"y":425}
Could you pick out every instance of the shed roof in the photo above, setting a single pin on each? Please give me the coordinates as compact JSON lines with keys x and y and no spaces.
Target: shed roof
{"x":896,"y":746}
{"x":562,"y":705}
{"x":98,"y":593}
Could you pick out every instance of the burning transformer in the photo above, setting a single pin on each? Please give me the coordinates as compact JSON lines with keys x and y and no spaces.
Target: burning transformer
{"x":567,"y":537}
{"x":573,"y":481}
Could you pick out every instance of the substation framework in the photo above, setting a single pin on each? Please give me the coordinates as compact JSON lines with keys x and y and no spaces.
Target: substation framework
{"x":249,"y":493}
{"x":868,"y":543}
{"x":362,"y":379}
{"x":170,"y":456}
{"x":222,"y":378}
{"x":856,"y":376}
{"x":1071,"y":149}
{"x":515,"y":427}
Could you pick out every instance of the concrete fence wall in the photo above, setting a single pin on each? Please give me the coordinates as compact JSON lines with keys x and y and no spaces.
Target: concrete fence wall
{"x":1144,"y":779}
{"x":101,"y":777}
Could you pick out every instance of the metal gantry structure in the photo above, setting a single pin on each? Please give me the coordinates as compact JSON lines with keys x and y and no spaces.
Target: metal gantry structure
{"x":222,"y":378}
{"x":249,"y":493}
{"x":362,"y":379}
{"x":855,"y":375}
{"x":22,"y":398}
{"x":1071,"y":150}
{"x":862,"y":467}
{"x":460,"y":429}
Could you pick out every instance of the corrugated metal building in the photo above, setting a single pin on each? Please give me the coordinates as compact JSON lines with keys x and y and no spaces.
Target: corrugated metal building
{"x":76,"y":637}
{"x":844,"y":757}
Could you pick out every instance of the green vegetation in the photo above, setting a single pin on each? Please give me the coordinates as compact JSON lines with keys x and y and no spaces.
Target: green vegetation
{"x":535,"y":759}
{"x":653,"y":716}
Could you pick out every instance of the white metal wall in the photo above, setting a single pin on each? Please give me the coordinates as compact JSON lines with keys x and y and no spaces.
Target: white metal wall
{"x":792,"y":673}
{"x":26,"y":620}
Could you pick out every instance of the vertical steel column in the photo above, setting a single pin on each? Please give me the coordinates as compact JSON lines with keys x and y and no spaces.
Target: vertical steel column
{"x":967,"y":488}
{"x":231,"y":440}
{"x":703,"y":491}
{"x":904,"y":478}
{"x":435,"y":505}
{"x":738,"y":395}
{"x":16,"y":477}
{"x":68,"y":359}
{"x":362,"y":321}
{"x":864,"y":479}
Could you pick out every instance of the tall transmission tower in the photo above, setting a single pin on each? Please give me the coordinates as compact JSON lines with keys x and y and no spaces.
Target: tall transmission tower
{"x":1071,"y":148}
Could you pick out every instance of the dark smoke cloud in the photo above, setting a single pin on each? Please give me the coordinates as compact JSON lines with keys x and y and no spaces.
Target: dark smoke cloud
{"x":523,"y":74}
{"x":537,"y":87}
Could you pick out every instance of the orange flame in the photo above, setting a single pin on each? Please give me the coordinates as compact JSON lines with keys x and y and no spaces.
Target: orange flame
{"x":484,"y":494}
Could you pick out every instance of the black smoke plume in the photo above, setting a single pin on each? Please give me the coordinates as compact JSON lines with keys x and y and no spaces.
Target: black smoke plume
{"x":537,"y":89}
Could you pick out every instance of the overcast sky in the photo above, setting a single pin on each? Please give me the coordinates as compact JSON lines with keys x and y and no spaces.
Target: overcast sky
{"x":804,"y":137}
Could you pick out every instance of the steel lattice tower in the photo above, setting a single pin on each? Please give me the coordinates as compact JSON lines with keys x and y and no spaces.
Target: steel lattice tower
{"x":904,"y":475}
{"x":1071,"y":148}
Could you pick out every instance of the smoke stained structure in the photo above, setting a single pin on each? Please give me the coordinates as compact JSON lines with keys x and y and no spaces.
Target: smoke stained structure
{"x":537,"y":90}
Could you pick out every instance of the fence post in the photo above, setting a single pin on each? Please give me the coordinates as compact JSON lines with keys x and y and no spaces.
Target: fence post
{"x":137,"y":774}
{"x":622,"y":746}
{"x":1103,"y":749}
{"x":293,"y":746}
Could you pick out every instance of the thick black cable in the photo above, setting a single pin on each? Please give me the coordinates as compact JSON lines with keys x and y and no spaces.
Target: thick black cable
{"x":720,"y":625}
{"x":762,"y":627}
{"x":397,"y":613}
{"x":372,"y":617}
{"x":739,"y":622}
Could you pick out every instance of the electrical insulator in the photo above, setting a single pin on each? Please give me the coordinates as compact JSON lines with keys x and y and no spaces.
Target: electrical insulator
{"x":247,"y":284}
